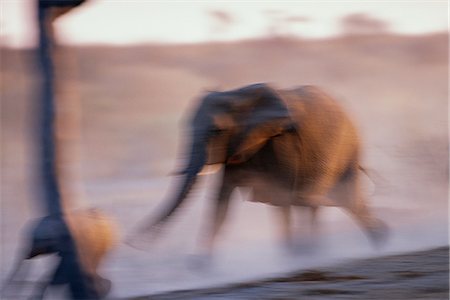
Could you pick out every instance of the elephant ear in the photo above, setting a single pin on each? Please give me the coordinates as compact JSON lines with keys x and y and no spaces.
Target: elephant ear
{"x":269,"y":117}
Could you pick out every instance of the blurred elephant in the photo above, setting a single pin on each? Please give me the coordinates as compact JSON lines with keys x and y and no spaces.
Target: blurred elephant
{"x":291,"y":147}
{"x":93,"y":234}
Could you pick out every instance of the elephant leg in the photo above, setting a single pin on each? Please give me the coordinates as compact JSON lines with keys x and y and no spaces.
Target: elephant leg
{"x":348,"y":194}
{"x":306,"y":232}
{"x":219,"y":213}
{"x":375,"y":229}
{"x":313,"y":223}
{"x":314,"y":230}
{"x":284,"y":214}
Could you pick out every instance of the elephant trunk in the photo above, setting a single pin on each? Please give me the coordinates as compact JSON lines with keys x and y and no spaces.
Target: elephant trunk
{"x":196,"y":162}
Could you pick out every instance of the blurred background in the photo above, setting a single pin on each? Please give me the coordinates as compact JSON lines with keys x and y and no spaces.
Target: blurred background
{"x":137,"y":67}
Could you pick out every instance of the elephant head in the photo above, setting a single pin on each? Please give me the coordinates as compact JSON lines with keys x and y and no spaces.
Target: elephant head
{"x":228,"y":128}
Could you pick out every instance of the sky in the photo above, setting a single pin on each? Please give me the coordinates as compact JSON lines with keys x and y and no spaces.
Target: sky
{"x":123,"y":22}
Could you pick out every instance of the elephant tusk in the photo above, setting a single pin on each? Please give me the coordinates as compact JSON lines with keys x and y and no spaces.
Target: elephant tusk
{"x":236,"y":159}
{"x":210,"y":169}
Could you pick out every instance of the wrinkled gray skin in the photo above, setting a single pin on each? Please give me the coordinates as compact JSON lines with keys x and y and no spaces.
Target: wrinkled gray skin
{"x":292,"y":147}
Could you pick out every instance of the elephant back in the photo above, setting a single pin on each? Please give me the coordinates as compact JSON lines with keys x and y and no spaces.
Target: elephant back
{"x":325,"y":144}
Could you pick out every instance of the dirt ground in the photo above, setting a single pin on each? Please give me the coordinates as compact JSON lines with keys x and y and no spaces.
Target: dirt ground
{"x":415,"y":275}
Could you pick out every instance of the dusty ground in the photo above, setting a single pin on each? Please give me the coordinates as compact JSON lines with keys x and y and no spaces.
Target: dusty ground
{"x":415,"y":275}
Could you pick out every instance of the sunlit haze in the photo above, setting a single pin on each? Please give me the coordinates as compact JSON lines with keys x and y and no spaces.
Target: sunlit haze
{"x":134,"y":22}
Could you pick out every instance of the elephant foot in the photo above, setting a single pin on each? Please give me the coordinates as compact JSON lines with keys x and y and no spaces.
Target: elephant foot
{"x":378,"y":234}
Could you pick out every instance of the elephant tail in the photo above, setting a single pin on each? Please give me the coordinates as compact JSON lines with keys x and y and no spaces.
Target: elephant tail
{"x":380,"y":183}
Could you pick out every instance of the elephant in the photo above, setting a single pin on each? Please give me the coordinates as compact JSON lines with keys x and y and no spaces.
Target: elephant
{"x":291,"y":147}
{"x":93,"y":234}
